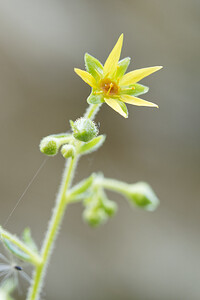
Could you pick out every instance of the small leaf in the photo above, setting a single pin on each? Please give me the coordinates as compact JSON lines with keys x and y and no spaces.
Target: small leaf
{"x":93,"y":145}
{"x":93,"y":66}
{"x":95,"y":99}
{"x":28,"y":240}
{"x":122,"y":67}
{"x":16,"y":251}
{"x":80,"y":188}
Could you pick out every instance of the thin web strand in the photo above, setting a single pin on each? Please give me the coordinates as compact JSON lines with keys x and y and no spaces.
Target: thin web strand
{"x":26,"y":189}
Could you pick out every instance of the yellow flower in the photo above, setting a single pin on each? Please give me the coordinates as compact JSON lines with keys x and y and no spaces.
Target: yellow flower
{"x":110,"y":85}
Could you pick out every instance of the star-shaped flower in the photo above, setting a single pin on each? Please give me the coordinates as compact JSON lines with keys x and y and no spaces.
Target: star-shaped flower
{"x":110,"y":85}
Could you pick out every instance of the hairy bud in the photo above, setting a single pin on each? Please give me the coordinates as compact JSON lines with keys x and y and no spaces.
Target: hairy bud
{"x":84,"y":129}
{"x":68,"y":151}
{"x":49,"y":146}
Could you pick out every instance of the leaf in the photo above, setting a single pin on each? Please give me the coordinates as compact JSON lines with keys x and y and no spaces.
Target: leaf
{"x":16,"y":251}
{"x":79,"y":189}
{"x":93,"y":145}
{"x":28,"y":240}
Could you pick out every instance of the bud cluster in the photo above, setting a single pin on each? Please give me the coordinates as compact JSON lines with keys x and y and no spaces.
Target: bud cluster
{"x":84,"y":130}
{"x":98,"y":208}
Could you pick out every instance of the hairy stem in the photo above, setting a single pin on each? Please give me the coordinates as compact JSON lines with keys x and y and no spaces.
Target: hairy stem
{"x":56,"y":219}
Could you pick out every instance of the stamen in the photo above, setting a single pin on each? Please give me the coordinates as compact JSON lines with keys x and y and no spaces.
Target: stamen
{"x":111,"y":85}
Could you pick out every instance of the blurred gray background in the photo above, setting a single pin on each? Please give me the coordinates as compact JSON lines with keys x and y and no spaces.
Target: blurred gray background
{"x":136,"y":255}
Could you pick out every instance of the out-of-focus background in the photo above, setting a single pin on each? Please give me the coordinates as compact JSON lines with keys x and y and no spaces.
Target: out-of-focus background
{"x":136,"y":255}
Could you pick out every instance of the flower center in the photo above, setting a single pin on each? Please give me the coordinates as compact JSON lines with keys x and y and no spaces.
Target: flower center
{"x":109,"y":87}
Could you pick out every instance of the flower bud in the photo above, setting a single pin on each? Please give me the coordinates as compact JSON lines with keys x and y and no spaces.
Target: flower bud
{"x":84,"y":129}
{"x":68,"y":151}
{"x":142,"y":195}
{"x":95,"y":216}
{"x":49,"y":146}
{"x":110,"y":207}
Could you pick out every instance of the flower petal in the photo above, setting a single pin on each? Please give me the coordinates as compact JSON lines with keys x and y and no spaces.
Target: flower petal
{"x":88,"y":78}
{"x":118,"y":106}
{"x":93,"y":66}
{"x":113,"y":58}
{"x":136,"y":101}
{"x":137,"y":75}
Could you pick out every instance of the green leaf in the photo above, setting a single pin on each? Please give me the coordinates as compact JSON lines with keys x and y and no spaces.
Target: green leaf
{"x":28,"y":240}
{"x":95,"y":99}
{"x":80,"y":188}
{"x":93,"y":66}
{"x":93,"y":145}
{"x":135,"y":90}
{"x":142,"y":195}
{"x":122,"y":67}
{"x":16,"y":251}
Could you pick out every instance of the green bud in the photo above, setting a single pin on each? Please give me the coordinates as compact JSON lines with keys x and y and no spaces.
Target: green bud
{"x":142,"y":195}
{"x":95,"y":216}
{"x":110,"y":207}
{"x":84,"y":129}
{"x":49,"y":145}
{"x":68,"y":151}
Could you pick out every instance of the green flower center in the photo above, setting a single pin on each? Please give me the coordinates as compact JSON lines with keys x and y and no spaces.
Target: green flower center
{"x":109,"y":87}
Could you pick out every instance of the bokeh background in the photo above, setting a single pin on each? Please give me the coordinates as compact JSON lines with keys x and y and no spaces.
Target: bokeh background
{"x":136,"y":255}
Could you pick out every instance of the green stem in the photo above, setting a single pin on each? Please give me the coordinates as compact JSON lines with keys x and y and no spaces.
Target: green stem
{"x":56,"y":219}
{"x":113,"y":185}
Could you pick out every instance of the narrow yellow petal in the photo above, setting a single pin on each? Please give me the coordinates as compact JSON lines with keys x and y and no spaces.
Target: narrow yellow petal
{"x":137,"y":75}
{"x":113,"y":58}
{"x":87,"y":77}
{"x":137,"y":101}
{"x":115,"y":105}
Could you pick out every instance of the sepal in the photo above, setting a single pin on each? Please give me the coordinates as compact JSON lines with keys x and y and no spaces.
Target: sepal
{"x":122,"y":67}
{"x":93,"y":66}
{"x":95,"y":98}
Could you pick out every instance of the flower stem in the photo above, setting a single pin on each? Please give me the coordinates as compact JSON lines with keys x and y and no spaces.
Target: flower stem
{"x":56,"y":219}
